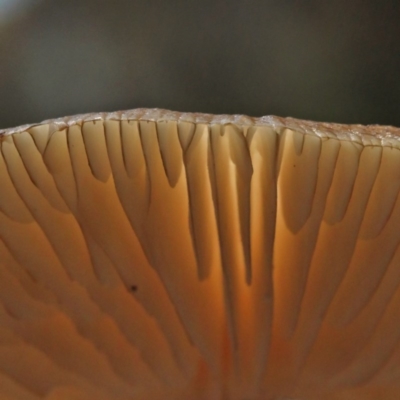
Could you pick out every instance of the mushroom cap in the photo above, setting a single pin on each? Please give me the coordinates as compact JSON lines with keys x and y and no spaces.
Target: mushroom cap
{"x":150,"y":254}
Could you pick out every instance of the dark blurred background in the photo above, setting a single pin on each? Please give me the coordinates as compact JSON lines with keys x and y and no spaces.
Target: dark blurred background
{"x":323,"y":60}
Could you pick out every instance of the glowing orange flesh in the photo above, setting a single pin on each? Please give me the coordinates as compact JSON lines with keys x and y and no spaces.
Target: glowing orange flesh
{"x":156,"y":255}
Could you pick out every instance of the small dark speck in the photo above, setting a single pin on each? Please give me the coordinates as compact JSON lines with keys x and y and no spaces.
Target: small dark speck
{"x":134,"y":288}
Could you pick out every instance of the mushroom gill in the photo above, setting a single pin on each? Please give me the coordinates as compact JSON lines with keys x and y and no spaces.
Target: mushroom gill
{"x":152,"y":255}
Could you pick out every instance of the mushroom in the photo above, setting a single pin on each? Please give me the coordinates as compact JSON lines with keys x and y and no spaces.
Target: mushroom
{"x":150,"y":254}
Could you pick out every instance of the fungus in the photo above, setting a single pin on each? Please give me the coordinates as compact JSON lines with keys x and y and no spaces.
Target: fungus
{"x":152,"y":255}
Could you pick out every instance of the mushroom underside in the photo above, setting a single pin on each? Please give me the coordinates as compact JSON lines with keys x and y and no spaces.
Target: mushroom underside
{"x":160,"y":256}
